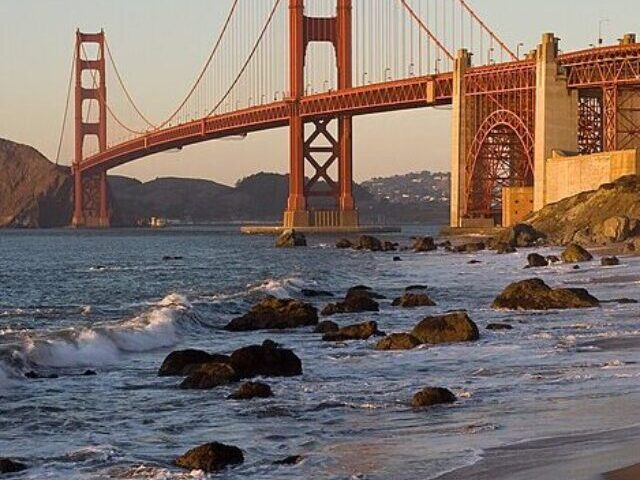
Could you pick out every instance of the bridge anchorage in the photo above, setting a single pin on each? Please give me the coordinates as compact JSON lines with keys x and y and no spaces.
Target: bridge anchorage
{"x":524,"y":132}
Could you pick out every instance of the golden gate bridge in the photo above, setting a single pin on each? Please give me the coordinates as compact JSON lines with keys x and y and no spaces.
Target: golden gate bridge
{"x":313,"y":65}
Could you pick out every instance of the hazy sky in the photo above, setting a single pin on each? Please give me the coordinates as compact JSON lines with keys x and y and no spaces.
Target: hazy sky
{"x":161,"y":44}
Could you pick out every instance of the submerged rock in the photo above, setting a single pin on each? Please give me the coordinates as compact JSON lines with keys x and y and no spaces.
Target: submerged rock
{"x":326,"y":326}
{"x":535,"y":260}
{"x":311,"y":293}
{"x":499,"y":326}
{"x":398,"y":341}
{"x":265,"y":360}
{"x":534,"y":294}
{"x":11,"y":466}
{"x":250,"y":390}
{"x":451,"y":327}
{"x":424,"y":244}
{"x":432,"y":396}
{"x":275,"y":314}
{"x":210,"y":457}
{"x":291,"y":238}
{"x":179,"y":362}
{"x":210,"y":375}
{"x":412,"y":300}
{"x":610,"y":261}
{"x":290,"y":460}
{"x":359,"y":331}
{"x":574,"y":253}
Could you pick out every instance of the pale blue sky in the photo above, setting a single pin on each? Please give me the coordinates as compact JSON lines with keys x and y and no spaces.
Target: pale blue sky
{"x":161,"y":44}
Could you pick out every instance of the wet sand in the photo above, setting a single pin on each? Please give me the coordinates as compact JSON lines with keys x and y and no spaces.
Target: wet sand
{"x":579,"y":457}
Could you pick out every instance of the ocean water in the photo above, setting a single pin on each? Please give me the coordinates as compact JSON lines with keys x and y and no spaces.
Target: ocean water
{"x":107,"y":301}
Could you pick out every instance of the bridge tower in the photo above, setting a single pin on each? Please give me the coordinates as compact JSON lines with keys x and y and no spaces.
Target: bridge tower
{"x":91,"y":189}
{"x":312,"y":143}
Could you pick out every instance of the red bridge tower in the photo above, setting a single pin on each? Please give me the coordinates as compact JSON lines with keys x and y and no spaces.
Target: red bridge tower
{"x":317,"y":145}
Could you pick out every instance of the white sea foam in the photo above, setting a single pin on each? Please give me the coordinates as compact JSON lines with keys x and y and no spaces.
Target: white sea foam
{"x":104,"y":344}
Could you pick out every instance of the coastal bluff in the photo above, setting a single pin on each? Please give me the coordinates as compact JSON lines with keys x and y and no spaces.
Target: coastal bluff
{"x":34,"y":193}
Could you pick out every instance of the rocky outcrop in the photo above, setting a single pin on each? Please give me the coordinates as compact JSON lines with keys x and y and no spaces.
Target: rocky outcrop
{"x":359,"y":331}
{"x":344,"y":243}
{"x":470,"y":247}
{"x":534,"y":294}
{"x":398,"y":341}
{"x":211,"y":457}
{"x":413,"y":300}
{"x":430,"y":396}
{"x":34,"y":193}
{"x":373,"y":244}
{"x":250,"y":390}
{"x":11,"y":466}
{"x":424,"y":244}
{"x":290,"y":239}
{"x":574,"y":253}
{"x":535,"y":260}
{"x":503,"y":248}
{"x":179,"y":362}
{"x":357,"y":300}
{"x":275,"y":314}
{"x":607,"y":214}
{"x":266,"y":359}
{"x":451,"y":327}
{"x":210,"y":375}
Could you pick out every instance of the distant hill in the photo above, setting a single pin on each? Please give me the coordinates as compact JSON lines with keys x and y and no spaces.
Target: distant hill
{"x":412,"y":188}
{"x":36,"y":193}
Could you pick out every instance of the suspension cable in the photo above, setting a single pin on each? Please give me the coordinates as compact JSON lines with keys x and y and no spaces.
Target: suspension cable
{"x":193,"y":88}
{"x":249,"y":58}
{"x":488,"y":30}
{"x":426,"y":29}
{"x":66,"y":107}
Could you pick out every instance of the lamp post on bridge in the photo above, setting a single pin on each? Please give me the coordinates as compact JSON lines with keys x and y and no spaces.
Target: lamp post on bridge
{"x":601,"y":22}
{"x":518,"y":49}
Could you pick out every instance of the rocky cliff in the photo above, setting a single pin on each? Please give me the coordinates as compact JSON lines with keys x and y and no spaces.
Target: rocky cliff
{"x":33,"y":191}
{"x":609,"y":214}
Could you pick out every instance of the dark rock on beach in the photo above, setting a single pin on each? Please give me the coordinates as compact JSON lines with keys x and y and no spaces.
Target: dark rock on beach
{"x":499,"y":326}
{"x":11,"y":466}
{"x":503,"y":248}
{"x":535,"y":260}
{"x":574,"y":253}
{"x":291,"y":239}
{"x":430,"y":396}
{"x":424,"y":244}
{"x":250,"y":390}
{"x":210,"y":457}
{"x":398,"y":341}
{"x":412,"y":300}
{"x":451,"y":327}
{"x":358,"y":299}
{"x":275,"y":314}
{"x":610,"y":261}
{"x":209,"y":375}
{"x":521,"y":235}
{"x":265,"y":360}
{"x":344,"y":243}
{"x":290,"y":460}
{"x":179,"y":362}
{"x":359,"y":331}
{"x":326,"y":326}
{"x":534,"y":294}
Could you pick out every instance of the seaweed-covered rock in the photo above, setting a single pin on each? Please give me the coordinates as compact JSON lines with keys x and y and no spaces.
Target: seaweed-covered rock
{"x":535,"y":260}
{"x":179,"y":362}
{"x":209,"y":375}
{"x":326,"y":326}
{"x":11,"y":466}
{"x":609,"y":261}
{"x":424,"y":244}
{"x":291,"y":238}
{"x":358,"y":299}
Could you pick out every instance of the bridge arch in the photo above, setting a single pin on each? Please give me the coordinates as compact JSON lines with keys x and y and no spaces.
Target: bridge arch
{"x":500,"y":155}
